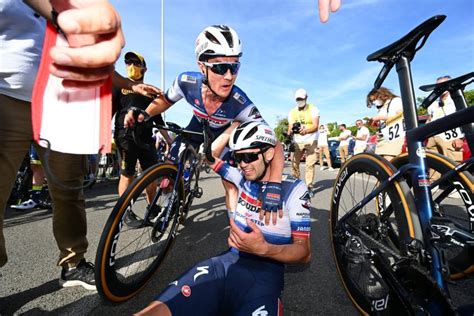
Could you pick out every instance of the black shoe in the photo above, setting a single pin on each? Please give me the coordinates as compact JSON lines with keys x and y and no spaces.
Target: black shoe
{"x":131,"y":220}
{"x":81,"y":275}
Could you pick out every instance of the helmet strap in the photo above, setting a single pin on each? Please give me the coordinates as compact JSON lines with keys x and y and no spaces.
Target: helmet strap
{"x":266,"y":163}
{"x":207,"y":83}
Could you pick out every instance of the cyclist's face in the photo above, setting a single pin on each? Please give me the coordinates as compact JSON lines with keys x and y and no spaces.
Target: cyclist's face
{"x":253,"y":170}
{"x":221,"y":84}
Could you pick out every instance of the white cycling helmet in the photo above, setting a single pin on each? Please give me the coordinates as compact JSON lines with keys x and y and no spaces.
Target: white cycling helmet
{"x":217,"y":40}
{"x":252,"y":135}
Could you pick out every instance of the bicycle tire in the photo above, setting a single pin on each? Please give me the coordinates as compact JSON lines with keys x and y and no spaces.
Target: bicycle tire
{"x":372,"y":169}
{"x":457,"y":206}
{"x":122,"y":272}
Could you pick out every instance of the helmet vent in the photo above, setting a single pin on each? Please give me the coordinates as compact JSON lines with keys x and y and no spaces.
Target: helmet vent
{"x":228,"y":37}
{"x":212,"y":38}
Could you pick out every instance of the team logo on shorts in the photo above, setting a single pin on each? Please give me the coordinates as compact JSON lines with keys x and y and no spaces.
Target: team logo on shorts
{"x":186,"y":290}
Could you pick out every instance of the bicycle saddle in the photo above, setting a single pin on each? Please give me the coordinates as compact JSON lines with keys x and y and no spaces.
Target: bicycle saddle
{"x":407,"y":45}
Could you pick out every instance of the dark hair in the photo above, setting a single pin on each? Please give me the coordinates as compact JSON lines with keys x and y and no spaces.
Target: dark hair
{"x":344,"y":125}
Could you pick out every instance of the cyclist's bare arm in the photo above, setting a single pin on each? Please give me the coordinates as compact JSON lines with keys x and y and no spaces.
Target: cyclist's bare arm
{"x":157,"y":106}
{"x":297,"y":252}
{"x":222,"y":140}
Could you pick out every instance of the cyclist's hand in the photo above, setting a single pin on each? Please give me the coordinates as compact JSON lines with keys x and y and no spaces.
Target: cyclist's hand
{"x":252,"y":242}
{"x":147,"y":89}
{"x":324,"y":6}
{"x":271,"y":202}
{"x":132,"y":116}
{"x":94,"y":33}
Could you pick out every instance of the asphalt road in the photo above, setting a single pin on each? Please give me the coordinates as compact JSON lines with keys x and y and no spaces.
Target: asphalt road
{"x":29,"y":282}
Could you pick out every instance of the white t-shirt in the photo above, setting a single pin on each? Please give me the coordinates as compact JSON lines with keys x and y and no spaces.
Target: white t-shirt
{"x":345,"y":142}
{"x":436,"y":111}
{"x":361,"y":132}
{"x":298,"y":138}
{"x":393,"y":106}
{"x":323,"y":138}
{"x":21,"y":43}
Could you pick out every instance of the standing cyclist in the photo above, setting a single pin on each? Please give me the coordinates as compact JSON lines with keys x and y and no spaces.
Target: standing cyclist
{"x":248,"y":278}
{"x":214,"y":97}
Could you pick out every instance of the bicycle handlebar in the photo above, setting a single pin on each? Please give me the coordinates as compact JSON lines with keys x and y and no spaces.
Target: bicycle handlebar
{"x":206,"y":133}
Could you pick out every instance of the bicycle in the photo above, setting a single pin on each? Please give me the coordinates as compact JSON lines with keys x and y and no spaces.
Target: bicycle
{"x":128,"y":257}
{"x":385,"y":242}
{"x":451,"y":184}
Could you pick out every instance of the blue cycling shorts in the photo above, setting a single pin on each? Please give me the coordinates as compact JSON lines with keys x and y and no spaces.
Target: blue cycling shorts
{"x":229,"y":284}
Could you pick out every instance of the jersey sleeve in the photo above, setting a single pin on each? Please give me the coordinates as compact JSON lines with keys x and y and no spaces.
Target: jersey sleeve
{"x":299,"y":206}
{"x":229,"y":173}
{"x":250,"y":113}
{"x":175,"y":93}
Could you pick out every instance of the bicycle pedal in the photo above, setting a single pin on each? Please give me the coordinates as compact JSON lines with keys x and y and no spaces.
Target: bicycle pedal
{"x":197,"y":193}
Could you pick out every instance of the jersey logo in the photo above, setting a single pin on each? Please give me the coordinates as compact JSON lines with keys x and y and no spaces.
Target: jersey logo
{"x":202,"y":271}
{"x":255,"y":113}
{"x":305,"y":196}
{"x":186,"y":290}
{"x":175,"y":283}
{"x":187,"y":78}
{"x":260,"y":311}
{"x":239,"y":98}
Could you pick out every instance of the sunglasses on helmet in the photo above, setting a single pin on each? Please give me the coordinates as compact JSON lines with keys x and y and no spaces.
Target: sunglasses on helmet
{"x":222,"y":68}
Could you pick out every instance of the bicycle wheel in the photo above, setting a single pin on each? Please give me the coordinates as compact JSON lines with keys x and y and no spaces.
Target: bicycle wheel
{"x":128,"y":254}
{"x":453,"y":200}
{"x":384,"y":223}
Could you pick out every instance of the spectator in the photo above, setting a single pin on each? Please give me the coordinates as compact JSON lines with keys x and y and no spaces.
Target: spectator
{"x":389,"y":107}
{"x":132,"y":149}
{"x":303,"y":122}
{"x":344,"y":138}
{"x":38,"y":185}
{"x":21,"y":41}
{"x":361,"y":137}
{"x":324,"y":148}
{"x":439,"y":109}
{"x":248,"y":278}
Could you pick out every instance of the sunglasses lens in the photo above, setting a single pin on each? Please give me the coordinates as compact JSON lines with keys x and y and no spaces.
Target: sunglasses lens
{"x":133,"y":62}
{"x":222,"y":68}
{"x":245,"y":157}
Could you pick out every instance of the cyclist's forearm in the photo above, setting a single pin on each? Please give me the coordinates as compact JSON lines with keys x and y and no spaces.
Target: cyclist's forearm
{"x":297,"y":252}
{"x":277,"y":164}
{"x":158,"y":106}
{"x":222,"y":140}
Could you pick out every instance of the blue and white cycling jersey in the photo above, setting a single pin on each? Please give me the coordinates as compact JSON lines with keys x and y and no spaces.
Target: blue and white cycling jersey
{"x":237,"y":106}
{"x":296,"y":206}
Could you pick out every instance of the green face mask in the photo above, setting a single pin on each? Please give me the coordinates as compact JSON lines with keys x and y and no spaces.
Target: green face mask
{"x":134,"y":72}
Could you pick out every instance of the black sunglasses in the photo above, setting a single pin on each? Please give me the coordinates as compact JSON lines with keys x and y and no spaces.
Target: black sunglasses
{"x":222,"y":68}
{"x":247,"y":157}
{"x":133,"y":62}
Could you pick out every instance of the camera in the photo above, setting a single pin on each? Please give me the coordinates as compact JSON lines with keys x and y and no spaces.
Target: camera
{"x":296,"y":128}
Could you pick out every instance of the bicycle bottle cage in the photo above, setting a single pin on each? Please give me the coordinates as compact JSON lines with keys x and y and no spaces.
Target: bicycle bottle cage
{"x":451,"y":85}
{"x":407,"y":46}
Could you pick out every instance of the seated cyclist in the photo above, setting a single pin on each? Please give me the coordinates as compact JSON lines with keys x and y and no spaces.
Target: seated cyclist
{"x":248,"y":278}
{"x":213,"y":96}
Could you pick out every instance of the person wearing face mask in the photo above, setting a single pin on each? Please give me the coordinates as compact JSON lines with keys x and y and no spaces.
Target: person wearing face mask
{"x":303,"y":123}
{"x":444,"y":142}
{"x":389,"y":119}
{"x":123,"y":100}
